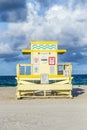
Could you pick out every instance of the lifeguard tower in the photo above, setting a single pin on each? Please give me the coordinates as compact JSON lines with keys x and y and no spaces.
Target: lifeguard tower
{"x":44,"y":76}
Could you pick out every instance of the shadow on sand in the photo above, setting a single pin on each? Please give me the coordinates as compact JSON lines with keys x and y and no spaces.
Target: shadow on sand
{"x":77,"y":91}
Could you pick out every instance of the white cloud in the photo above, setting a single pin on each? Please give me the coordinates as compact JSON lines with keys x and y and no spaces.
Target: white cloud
{"x":67,"y":21}
{"x":5,"y":49}
{"x":84,"y":53}
{"x":67,"y":25}
{"x":74,"y":53}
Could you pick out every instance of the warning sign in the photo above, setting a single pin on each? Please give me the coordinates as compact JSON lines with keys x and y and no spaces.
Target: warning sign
{"x":51,"y":60}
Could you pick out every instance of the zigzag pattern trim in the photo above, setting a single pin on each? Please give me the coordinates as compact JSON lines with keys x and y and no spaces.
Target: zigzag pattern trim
{"x":43,"y":46}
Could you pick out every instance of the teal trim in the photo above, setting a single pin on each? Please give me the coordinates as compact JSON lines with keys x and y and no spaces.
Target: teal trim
{"x":43,"y":46}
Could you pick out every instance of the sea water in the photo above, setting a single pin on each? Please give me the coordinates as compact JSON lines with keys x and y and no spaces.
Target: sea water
{"x":11,"y":80}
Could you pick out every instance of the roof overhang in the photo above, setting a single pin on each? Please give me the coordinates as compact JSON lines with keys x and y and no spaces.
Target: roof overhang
{"x":57,"y":51}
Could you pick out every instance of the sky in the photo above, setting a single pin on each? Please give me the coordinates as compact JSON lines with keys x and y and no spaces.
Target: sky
{"x":24,"y":20}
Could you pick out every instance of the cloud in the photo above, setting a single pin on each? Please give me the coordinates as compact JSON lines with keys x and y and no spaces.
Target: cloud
{"x":5,"y":48}
{"x":49,"y":3}
{"x":59,"y":22}
{"x":8,"y":53}
{"x":70,"y":4}
{"x":11,"y":44}
{"x":75,"y":55}
{"x":13,"y":10}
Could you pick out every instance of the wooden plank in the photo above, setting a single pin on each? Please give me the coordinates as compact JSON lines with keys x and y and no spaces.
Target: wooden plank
{"x":45,"y":87}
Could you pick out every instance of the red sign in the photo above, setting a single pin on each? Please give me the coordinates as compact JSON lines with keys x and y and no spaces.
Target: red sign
{"x":51,"y":60}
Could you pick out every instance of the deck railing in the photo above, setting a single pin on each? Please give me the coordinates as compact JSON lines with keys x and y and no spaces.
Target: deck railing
{"x":62,"y":69}
{"x":24,"y":69}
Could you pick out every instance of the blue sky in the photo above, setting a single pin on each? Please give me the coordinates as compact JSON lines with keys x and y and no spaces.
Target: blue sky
{"x":24,"y":20}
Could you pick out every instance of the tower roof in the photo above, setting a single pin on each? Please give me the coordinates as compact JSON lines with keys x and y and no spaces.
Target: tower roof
{"x":57,"y":51}
{"x":44,"y":46}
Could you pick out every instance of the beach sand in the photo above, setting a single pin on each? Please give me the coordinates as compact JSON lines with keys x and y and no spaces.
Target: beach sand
{"x":43,"y":114}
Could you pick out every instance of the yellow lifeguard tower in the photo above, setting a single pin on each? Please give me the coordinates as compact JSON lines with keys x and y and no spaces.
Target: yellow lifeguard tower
{"x":44,"y":76}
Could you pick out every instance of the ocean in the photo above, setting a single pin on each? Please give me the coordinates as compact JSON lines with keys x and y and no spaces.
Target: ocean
{"x":6,"y":81}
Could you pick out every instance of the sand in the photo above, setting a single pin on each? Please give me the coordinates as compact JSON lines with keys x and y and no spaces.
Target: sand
{"x":43,"y":114}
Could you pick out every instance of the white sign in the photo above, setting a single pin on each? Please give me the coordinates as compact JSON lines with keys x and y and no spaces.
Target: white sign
{"x":66,"y":72}
{"x":44,"y":79}
{"x":44,"y":59}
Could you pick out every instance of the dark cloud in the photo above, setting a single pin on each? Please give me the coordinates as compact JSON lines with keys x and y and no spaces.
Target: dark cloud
{"x":70,"y":37}
{"x":16,"y":44}
{"x":80,"y":2}
{"x":9,"y":57}
{"x":48,"y":3}
{"x":13,"y":10}
{"x":74,"y":55}
{"x":18,"y":41}
{"x":65,"y":2}
{"x":71,"y":4}
{"x":14,"y":56}
{"x":70,"y":40}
